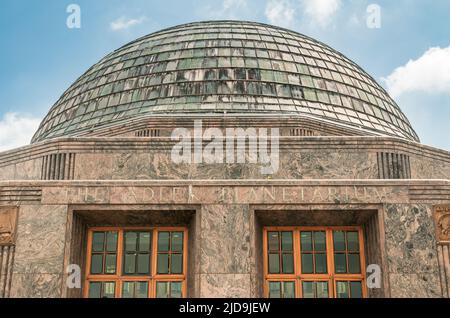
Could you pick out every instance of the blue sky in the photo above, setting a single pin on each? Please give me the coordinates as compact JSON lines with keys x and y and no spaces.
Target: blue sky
{"x":40,"y":57}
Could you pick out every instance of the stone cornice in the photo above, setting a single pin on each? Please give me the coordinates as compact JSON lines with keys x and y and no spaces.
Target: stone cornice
{"x":102,"y":144}
{"x":212,"y":183}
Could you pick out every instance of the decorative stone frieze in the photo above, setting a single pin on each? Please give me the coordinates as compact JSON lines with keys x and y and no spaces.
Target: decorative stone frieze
{"x":442,"y":221}
{"x":8,"y":221}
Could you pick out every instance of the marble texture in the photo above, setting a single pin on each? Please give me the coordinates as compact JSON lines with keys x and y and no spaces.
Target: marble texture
{"x":31,"y":285}
{"x":130,"y":165}
{"x":411,"y":251}
{"x":293,"y":164}
{"x":225,"y":239}
{"x":225,"y":285}
{"x":415,"y":286}
{"x":40,"y":240}
{"x":326,"y":164}
{"x":28,"y":170}
{"x":427,"y":168}
{"x":7,"y":172}
{"x":410,"y":239}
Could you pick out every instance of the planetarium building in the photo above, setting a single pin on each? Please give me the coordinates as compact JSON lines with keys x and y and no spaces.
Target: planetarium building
{"x":225,"y":159}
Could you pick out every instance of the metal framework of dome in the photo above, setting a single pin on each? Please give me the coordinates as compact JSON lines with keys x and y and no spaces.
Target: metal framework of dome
{"x":225,"y":66}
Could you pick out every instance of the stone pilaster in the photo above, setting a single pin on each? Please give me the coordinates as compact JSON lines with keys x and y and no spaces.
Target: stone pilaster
{"x":39,"y":256}
{"x":225,"y":251}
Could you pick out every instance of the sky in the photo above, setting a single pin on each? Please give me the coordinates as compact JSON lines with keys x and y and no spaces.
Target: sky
{"x":406,"y":48}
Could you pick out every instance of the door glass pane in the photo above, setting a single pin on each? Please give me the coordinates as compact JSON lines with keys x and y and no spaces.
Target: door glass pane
{"x":175,"y":290}
{"x":322,"y":289}
{"x":109,"y":290}
{"x":339,"y":240}
{"x":163,"y":263}
{"x":356,"y":289}
{"x":288,"y":290}
{"x":321,"y":263}
{"x":97,"y":264}
{"x":98,"y":240}
{"x":307,"y":264}
{"x":130,"y":241}
{"x":163,"y":241}
{"x":128,"y":290}
{"x":286,"y":241}
{"x":110,"y":264}
{"x":353,"y":241}
{"x":319,"y":241}
{"x":306,"y":241}
{"x":353,"y":264}
{"x":288,"y":264}
{"x":162,"y":290}
{"x":340,"y":263}
{"x":130,"y":264}
{"x":111,"y":242}
{"x":341,"y":289}
{"x":143,"y":264}
{"x":144,"y":242}
{"x":273,"y":241}
{"x":95,"y":290}
{"x":177,"y":264}
{"x":274,"y":290}
{"x":141,"y":290}
{"x":274,"y":263}
{"x":308,"y":289}
{"x":177,"y":242}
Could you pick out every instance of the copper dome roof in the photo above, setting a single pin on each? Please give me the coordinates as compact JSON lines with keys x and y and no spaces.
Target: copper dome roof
{"x":224,"y":66}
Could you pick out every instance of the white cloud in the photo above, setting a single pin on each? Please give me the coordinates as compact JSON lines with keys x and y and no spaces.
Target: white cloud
{"x":233,"y":4}
{"x":321,"y":11}
{"x":430,"y":73}
{"x":230,"y":9}
{"x":123,"y":23}
{"x":354,"y":21}
{"x":280,"y":12}
{"x":17,"y":130}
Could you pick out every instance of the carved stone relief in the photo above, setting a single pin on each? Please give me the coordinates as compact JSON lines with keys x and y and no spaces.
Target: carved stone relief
{"x":8,"y":221}
{"x":442,"y":220}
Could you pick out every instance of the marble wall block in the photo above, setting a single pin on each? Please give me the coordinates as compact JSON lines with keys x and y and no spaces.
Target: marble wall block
{"x":93,"y":166}
{"x":129,"y":166}
{"x":323,"y":164}
{"x":225,"y":286}
{"x":30,"y":285}
{"x":40,"y":241}
{"x":296,"y":164}
{"x":427,"y":168}
{"x":28,"y":170}
{"x":415,"y":286}
{"x":411,"y":251}
{"x":7,"y":172}
{"x":225,"y":239}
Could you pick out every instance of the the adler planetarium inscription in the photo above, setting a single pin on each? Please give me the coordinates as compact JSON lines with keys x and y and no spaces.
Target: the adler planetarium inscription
{"x":192,"y":194}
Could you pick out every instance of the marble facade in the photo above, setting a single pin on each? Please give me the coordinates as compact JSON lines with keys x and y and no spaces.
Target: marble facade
{"x":321,"y":181}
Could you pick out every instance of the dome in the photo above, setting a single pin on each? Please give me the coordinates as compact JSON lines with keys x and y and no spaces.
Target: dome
{"x":222,"y":67}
